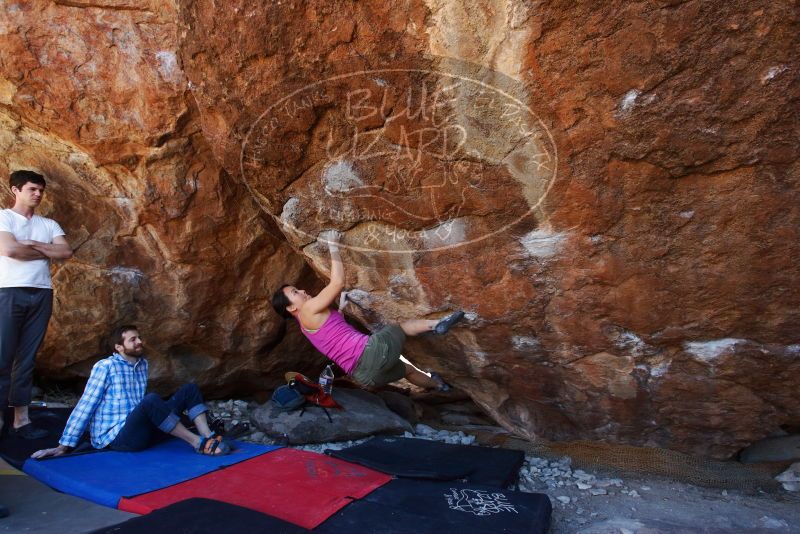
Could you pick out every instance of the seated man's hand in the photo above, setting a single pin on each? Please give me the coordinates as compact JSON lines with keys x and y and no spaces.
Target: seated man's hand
{"x":46,"y":453}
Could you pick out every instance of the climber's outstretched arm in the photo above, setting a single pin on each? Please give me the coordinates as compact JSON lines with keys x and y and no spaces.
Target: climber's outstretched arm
{"x":330,"y":293}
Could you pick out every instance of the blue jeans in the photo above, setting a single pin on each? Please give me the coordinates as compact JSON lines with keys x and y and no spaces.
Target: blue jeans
{"x":154,"y":415}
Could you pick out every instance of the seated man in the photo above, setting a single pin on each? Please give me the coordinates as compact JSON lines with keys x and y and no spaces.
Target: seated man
{"x":122,"y":418}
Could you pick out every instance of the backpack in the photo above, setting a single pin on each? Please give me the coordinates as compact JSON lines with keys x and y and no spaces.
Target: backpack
{"x":286,"y":399}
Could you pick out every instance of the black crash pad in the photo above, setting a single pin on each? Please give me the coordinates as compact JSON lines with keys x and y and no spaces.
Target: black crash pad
{"x":424,"y":507}
{"x":433,"y":460}
{"x":16,"y":450}
{"x":204,"y":516}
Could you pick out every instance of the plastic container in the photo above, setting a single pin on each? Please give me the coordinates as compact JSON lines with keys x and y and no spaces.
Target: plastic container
{"x":326,"y":379}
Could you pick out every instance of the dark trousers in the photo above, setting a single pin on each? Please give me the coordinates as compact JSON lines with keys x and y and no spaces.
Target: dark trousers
{"x":145,"y":424}
{"x":24,"y":314}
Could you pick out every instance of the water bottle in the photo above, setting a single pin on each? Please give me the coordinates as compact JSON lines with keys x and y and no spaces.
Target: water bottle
{"x":326,"y":379}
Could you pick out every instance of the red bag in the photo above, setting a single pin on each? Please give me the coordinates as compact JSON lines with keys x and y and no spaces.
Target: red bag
{"x":312,"y":391}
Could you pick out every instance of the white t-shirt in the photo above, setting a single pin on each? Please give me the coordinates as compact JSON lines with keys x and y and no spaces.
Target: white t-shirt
{"x":34,"y":273}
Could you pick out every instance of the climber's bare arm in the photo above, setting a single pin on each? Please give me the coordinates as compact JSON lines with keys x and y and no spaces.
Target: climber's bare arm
{"x":320,"y":303}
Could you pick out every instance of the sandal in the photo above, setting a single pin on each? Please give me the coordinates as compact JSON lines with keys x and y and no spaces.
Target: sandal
{"x":445,"y":324}
{"x":223,"y":437}
{"x":210,"y":445}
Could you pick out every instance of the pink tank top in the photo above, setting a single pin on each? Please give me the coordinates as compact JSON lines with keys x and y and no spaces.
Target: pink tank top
{"x":338,"y":341}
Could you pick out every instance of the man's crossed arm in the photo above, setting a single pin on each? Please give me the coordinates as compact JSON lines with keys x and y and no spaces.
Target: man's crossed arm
{"x":28,"y":250}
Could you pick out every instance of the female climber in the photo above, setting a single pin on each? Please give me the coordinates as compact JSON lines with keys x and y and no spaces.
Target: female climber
{"x":372,"y":360}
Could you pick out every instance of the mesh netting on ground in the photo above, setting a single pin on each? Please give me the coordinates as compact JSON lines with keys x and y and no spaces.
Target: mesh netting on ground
{"x":644,"y":461}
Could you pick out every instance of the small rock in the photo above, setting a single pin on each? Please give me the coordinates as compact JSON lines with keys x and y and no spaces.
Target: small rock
{"x":583,"y":486}
{"x":724,"y":493}
{"x":790,"y":475}
{"x":424,"y":430}
{"x":257,"y":436}
{"x":598,"y":491}
{"x":771,"y":522}
{"x":790,"y":478}
{"x":563,"y":499}
{"x":608,"y":482}
{"x":645,"y":488}
{"x":634,"y":494}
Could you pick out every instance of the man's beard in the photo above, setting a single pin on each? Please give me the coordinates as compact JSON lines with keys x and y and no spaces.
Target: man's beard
{"x":132,"y":353}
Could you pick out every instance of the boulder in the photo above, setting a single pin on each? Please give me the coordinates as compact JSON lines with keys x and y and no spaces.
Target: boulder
{"x":608,"y":188}
{"x":402,"y":405}
{"x":775,"y":449}
{"x":363,"y":414}
{"x":164,"y":236}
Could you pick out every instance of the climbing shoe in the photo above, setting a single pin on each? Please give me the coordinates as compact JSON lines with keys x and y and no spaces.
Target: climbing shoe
{"x":445,"y":324}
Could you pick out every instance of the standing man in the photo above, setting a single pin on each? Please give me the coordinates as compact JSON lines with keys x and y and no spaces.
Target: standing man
{"x":27,"y":244}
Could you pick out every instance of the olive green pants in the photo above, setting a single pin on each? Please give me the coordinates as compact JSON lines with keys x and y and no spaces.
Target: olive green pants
{"x":380,"y":362}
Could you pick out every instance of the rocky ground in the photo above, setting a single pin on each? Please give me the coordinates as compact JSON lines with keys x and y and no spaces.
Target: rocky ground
{"x":594,"y":502}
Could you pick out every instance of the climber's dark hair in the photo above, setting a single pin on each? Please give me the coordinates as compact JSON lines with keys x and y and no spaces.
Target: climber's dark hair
{"x":280,"y":302}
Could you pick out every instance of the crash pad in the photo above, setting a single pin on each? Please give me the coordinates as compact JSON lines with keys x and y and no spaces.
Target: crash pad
{"x":37,"y":509}
{"x":302,"y":487}
{"x":16,"y":450}
{"x":203,"y":516}
{"x":426,"y":507}
{"x":106,"y":477}
{"x":433,"y":460}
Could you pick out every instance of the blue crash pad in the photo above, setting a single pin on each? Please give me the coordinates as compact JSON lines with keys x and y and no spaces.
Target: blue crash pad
{"x":406,"y":506}
{"x":107,"y":476}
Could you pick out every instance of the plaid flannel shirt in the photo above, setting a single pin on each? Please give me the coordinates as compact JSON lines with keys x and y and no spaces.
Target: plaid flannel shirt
{"x":114,"y":389}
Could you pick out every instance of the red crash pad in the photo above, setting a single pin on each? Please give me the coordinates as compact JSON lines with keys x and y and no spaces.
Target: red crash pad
{"x":304,"y":488}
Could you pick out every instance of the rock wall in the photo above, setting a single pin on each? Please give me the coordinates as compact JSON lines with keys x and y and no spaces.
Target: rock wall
{"x":609,"y":189}
{"x":94,"y":97}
